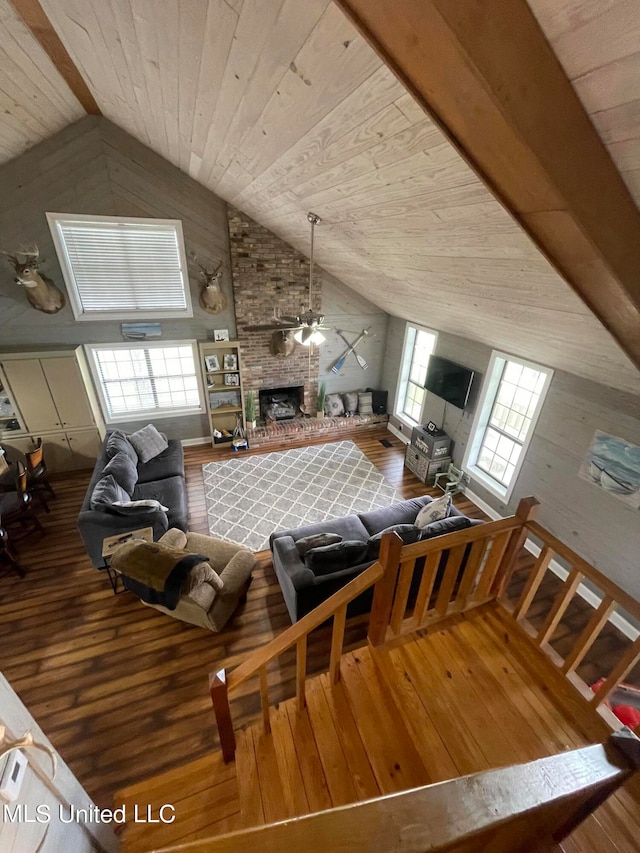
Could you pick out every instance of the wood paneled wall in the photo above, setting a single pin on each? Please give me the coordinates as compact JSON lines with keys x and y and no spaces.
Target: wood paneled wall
{"x":605,"y":531}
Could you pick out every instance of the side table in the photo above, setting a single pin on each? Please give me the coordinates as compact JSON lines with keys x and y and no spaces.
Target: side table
{"x":111,"y":543}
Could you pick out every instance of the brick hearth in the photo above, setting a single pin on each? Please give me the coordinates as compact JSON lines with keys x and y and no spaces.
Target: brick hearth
{"x":299,"y":428}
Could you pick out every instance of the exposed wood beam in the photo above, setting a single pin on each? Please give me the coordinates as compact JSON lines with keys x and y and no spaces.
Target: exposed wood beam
{"x":484,"y":71}
{"x":36,"y":19}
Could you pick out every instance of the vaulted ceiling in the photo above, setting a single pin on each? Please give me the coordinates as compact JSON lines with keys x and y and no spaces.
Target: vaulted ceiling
{"x":280,"y":107}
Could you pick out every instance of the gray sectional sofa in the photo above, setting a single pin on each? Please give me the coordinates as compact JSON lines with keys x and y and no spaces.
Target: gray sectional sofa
{"x":161,"y":479}
{"x":304,"y":588}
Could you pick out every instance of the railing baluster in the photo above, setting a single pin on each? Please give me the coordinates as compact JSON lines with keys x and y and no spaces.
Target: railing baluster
{"x":301,"y":671}
{"x":526,"y":511}
{"x":533,"y":583}
{"x":402,"y":595}
{"x":624,"y":665}
{"x":264,"y":699}
{"x":390,"y":549}
{"x":589,"y":635}
{"x":470,"y":572}
{"x":449,"y":580}
{"x":220,"y":699}
{"x":560,"y":604}
{"x":498,"y":547}
{"x":337,"y":641}
{"x":426,"y":586}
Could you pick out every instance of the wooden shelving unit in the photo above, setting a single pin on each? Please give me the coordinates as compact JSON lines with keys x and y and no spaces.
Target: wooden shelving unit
{"x":225,"y":402}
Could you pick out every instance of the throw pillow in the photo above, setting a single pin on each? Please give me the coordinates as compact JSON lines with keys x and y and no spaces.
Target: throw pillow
{"x":350,"y":400}
{"x":445,"y":525}
{"x":333,"y":405}
{"x":148,"y":443}
{"x":434,"y":511}
{"x":117,"y":442}
{"x":132,"y":507}
{"x":106,"y":492}
{"x":409,"y":534}
{"x":318,"y":540}
{"x":124,"y":470}
{"x":365,"y":403}
{"x":334,"y":558}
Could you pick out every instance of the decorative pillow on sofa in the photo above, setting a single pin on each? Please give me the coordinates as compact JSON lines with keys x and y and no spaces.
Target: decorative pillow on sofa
{"x":148,"y":443}
{"x":117,"y":442}
{"x":124,"y":471}
{"x":350,"y":400}
{"x":333,"y":558}
{"x":133,"y":507}
{"x":445,"y":525}
{"x":434,"y":511}
{"x":319,"y":540}
{"x":365,"y":403}
{"x":106,"y":492}
{"x":409,"y":534}
{"x":333,"y":405}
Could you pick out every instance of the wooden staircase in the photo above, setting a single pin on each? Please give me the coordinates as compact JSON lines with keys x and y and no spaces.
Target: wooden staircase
{"x":466,"y":692}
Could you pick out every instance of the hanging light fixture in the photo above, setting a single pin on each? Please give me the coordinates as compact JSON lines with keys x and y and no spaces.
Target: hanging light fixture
{"x":310,"y":334}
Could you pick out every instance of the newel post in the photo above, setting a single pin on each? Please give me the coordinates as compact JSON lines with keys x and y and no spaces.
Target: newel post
{"x":526,"y":511}
{"x":384,"y":590}
{"x":220,"y":698}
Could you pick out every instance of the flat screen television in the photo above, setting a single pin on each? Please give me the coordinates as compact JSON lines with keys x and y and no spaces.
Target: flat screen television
{"x":448,"y":380}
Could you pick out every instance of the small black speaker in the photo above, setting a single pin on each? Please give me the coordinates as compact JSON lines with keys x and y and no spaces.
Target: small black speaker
{"x":379,"y":401}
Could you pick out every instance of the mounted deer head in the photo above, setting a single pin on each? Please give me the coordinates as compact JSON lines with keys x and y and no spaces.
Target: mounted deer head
{"x":42,"y":293}
{"x":212,"y":299}
{"x":282,"y":343}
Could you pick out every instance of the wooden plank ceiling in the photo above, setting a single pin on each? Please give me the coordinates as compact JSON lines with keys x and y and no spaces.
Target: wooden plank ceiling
{"x":280,"y":107}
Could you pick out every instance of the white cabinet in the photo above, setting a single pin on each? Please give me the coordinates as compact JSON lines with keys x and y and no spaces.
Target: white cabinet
{"x":57,"y":402}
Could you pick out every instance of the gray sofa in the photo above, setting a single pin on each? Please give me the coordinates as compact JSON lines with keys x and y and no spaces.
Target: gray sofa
{"x":303,"y":589}
{"x":161,"y":479}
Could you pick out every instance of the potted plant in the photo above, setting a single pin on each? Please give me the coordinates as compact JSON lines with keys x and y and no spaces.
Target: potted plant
{"x":250,"y":409}
{"x":322,"y":393}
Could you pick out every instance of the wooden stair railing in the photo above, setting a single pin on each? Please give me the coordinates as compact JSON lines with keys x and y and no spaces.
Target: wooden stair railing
{"x":612,"y":598}
{"x":493,"y":547}
{"x":514,"y":809}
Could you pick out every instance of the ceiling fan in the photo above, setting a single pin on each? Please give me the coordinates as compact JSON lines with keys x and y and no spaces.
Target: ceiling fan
{"x":303,"y":328}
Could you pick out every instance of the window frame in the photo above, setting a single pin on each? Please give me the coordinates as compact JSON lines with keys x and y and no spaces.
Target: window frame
{"x":484,"y":409}
{"x":54,"y":220}
{"x":409,"y":341}
{"x":173,"y":412}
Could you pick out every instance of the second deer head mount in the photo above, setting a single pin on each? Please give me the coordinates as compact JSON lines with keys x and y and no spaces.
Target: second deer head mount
{"x":212,"y":298}
{"x":41,"y":292}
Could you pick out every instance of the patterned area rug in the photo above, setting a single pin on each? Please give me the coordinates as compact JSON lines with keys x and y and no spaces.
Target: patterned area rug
{"x":248,"y":498}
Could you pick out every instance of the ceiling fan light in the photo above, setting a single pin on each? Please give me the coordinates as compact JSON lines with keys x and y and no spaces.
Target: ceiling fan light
{"x":308,"y":336}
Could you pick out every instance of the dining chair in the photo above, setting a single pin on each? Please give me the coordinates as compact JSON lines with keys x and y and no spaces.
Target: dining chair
{"x":8,"y":556}
{"x":18,"y":506}
{"x":37,"y":477}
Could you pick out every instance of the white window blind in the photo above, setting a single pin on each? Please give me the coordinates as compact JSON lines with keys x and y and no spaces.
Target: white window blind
{"x":418,"y":346}
{"x":122,"y":268}
{"x":146,"y":379}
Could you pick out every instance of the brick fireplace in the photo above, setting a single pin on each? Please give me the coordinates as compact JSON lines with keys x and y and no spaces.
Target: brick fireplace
{"x":268,"y":273}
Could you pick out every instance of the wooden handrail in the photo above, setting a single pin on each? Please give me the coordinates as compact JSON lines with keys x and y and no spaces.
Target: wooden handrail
{"x":304,"y":626}
{"x":626,"y":601}
{"x":503,"y":809}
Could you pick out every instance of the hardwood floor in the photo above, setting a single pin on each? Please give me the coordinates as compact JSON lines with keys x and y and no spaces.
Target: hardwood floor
{"x":435,"y":705}
{"x":121,"y":689}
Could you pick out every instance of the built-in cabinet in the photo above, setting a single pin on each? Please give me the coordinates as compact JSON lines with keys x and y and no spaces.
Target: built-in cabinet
{"x":222,"y":379}
{"x":54,"y":399}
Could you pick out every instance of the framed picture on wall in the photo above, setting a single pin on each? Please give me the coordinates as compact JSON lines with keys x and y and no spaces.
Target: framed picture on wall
{"x":230,"y":361}
{"x":212,"y":362}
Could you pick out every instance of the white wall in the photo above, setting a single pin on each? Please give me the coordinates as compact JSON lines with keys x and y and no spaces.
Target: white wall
{"x":38,"y":788}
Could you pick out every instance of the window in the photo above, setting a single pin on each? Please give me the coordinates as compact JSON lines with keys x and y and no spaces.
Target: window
{"x":512,"y":398}
{"x":138,"y":380}
{"x":122,"y":268}
{"x":418,"y":346}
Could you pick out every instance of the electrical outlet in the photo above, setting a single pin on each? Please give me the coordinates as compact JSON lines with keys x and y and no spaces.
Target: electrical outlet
{"x":12,"y":775}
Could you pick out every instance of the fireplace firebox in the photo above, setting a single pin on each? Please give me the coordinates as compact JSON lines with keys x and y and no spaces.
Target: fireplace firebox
{"x":280,"y":404}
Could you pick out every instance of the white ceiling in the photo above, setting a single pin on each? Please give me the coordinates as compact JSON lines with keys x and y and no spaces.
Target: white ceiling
{"x":280,"y":107}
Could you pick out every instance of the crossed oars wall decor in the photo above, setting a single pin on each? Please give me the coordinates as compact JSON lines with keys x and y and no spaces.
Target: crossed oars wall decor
{"x":351,"y":348}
